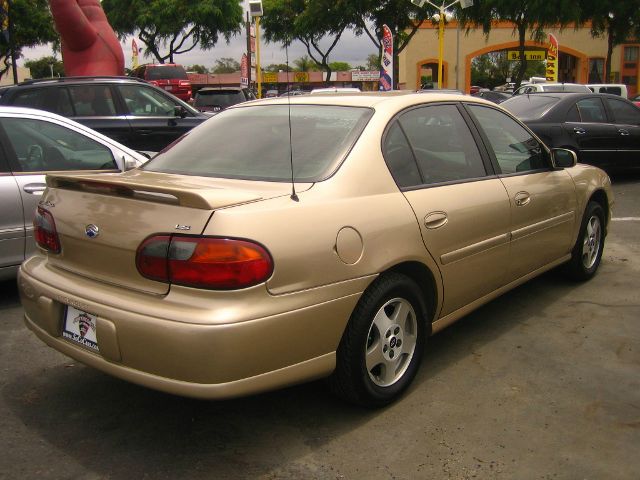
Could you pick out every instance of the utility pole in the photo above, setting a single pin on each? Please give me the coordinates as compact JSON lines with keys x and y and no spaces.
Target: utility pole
{"x":248,"y":25}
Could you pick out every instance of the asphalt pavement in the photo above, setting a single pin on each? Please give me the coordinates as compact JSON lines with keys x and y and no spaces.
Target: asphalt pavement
{"x":542,"y":383}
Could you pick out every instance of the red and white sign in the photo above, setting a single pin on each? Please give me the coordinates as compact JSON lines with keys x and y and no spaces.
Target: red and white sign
{"x":551,"y":73}
{"x":386,"y":71}
{"x":244,"y":71}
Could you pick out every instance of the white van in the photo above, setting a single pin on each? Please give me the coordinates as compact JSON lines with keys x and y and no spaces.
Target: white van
{"x":612,"y":88}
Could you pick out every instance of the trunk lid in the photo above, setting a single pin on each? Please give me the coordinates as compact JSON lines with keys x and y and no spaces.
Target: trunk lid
{"x":126,"y":209}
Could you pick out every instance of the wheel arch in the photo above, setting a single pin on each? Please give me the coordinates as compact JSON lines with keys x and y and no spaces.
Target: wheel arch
{"x":600,"y":197}
{"x":425,"y":280}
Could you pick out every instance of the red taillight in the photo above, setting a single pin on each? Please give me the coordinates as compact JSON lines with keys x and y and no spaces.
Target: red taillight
{"x":185,"y":83}
{"x":204,"y":262}
{"x":44,"y":231}
{"x":153,"y":82}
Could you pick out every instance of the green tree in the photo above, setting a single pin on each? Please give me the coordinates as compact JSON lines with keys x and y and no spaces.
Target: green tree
{"x":401,"y":16}
{"x":197,"y":68}
{"x":175,"y":25}
{"x":305,"y":64}
{"x":340,"y":66}
{"x":373,"y":61}
{"x":44,"y":66}
{"x":493,"y":69}
{"x":617,"y":21}
{"x":527,"y":16}
{"x":226,"y":65}
{"x":32,"y":25}
{"x":312,"y":22}
{"x":276,"y":67}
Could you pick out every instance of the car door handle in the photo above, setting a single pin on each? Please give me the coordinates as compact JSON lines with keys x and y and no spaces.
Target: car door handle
{"x":579,"y":131}
{"x":623,"y":132}
{"x":144,"y":132}
{"x":435,"y":220}
{"x":522,"y":199}
{"x":34,"y":188}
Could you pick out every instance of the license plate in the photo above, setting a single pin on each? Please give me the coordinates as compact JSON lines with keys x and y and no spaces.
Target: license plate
{"x":80,"y":327}
{"x":169,"y":88}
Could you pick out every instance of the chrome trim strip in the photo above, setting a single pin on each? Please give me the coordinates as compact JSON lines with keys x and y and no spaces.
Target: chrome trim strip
{"x":545,"y":224}
{"x":472,"y":249}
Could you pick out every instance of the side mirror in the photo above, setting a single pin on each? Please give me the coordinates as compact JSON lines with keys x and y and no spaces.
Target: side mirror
{"x":179,"y":111}
{"x":563,"y":158}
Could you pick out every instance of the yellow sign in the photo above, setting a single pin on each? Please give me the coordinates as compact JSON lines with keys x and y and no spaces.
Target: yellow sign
{"x":270,"y":77}
{"x":551,"y":73}
{"x":300,"y":76}
{"x":528,"y":54}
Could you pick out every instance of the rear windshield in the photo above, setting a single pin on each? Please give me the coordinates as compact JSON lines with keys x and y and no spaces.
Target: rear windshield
{"x":252,"y":143}
{"x":220,"y":98}
{"x":529,"y":106}
{"x":166,"y":73}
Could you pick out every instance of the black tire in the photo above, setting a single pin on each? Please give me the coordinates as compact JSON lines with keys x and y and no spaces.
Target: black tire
{"x":394,"y":354}
{"x":587,"y":252}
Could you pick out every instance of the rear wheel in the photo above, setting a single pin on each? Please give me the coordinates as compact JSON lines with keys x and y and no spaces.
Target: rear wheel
{"x":383,"y":344}
{"x":587,"y":252}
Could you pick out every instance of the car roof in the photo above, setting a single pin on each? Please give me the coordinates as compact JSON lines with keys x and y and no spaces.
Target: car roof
{"x":394,"y":99}
{"x":213,"y":89}
{"x":91,"y":79}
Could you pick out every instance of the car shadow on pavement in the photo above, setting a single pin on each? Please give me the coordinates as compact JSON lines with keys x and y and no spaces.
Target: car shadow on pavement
{"x":115,"y":429}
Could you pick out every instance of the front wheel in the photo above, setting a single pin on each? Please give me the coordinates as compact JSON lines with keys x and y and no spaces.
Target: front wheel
{"x":383,"y":344}
{"x":587,"y":252}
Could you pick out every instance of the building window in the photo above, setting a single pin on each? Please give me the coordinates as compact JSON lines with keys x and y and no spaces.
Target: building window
{"x":596,"y":70}
{"x":631,"y":54}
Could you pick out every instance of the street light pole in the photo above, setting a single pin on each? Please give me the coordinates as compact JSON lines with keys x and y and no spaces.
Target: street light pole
{"x":442,"y":9}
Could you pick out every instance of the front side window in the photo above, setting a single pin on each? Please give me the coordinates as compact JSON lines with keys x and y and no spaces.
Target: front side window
{"x":515,"y":149}
{"x":314,"y":139}
{"x":42,"y":146}
{"x":624,"y":112}
{"x":442,"y":143}
{"x":146,"y":102}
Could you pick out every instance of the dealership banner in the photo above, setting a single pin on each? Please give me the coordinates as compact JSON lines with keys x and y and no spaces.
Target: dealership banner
{"x":134,"y":53}
{"x":386,"y":70}
{"x":552,"y":59}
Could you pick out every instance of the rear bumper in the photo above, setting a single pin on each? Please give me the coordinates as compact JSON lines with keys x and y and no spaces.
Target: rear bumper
{"x":201,"y":359}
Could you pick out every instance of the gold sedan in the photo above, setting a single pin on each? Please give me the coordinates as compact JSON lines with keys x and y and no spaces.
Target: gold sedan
{"x":305,"y":237}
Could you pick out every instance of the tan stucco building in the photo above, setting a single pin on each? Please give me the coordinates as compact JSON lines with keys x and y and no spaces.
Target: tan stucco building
{"x":581,"y":58}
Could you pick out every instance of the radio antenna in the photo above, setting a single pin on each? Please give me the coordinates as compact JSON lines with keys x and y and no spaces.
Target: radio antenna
{"x":294,"y":196}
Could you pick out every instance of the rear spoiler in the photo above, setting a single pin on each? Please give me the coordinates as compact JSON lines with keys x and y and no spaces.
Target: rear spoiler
{"x":153,"y":189}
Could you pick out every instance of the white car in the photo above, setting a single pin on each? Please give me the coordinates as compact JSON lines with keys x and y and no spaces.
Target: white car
{"x":551,"y":87}
{"x":33,"y":143}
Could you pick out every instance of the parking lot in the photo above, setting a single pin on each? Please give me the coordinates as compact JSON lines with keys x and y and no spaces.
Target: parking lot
{"x":543,"y":382}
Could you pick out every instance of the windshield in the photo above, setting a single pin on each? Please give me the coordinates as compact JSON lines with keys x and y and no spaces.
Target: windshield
{"x":529,"y":106}
{"x":219,"y":98}
{"x":252,"y":143}
{"x":166,"y":73}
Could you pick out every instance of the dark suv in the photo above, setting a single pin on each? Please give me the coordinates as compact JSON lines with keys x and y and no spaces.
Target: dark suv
{"x":169,"y":76}
{"x":131,"y":111}
{"x":214,"y":99}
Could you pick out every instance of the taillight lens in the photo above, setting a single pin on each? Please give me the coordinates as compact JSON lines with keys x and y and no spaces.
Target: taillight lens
{"x":204,"y":262}
{"x":184,"y":83}
{"x":44,"y":231}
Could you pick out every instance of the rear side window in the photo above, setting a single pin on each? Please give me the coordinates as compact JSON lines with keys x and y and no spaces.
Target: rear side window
{"x":219,"y":98}
{"x":51,"y":99}
{"x":443,"y":146}
{"x":43,"y":146}
{"x":321,"y":136}
{"x":399,"y":157}
{"x":92,"y":101}
{"x":591,"y":110}
{"x":514,"y":148}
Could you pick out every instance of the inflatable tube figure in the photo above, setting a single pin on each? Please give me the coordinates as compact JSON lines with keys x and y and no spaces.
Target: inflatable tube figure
{"x":89,"y":45}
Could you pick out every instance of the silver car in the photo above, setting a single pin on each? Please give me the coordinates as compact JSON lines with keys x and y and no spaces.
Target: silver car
{"x":33,"y":143}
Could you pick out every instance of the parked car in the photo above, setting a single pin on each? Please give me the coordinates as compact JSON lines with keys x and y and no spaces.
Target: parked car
{"x":271,"y":94}
{"x":215,"y":99}
{"x":636,"y":100}
{"x":619,"y":89}
{"x":131,"y":111}
{"x":369,"y":222}
{"x":346,"y":90}
{"x":604,"y":130}
{"x":33,"y":143}
{"x":551,"y":88}
{"x":169,"y":76}
{"x":495,"y":97}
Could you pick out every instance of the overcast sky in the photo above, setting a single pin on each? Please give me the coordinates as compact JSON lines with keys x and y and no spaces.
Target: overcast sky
{"x":351,"y":49}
